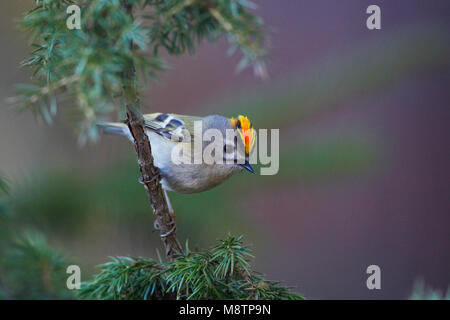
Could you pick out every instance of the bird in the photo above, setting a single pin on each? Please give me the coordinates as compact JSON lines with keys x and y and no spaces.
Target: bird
{"x":166,"y":131}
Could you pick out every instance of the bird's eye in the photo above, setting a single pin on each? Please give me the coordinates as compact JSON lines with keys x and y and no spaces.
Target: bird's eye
{"x":228,"y":148}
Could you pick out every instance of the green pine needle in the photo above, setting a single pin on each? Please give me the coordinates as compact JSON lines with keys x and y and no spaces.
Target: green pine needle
{"x":219,"y":273}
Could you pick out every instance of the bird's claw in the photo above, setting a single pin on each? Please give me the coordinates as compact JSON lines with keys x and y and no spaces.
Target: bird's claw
{"x":172,"y":223}
{"x":168,"y":233}
{"x":157,"y":175}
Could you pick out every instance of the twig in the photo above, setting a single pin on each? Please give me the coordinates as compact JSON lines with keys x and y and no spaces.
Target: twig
{"x":149,"y":173}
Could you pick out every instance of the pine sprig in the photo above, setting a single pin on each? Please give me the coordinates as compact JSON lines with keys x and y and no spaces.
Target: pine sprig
{"x":126,"y":278}
{"x":177,"y":25}
{"x":219,"y":273}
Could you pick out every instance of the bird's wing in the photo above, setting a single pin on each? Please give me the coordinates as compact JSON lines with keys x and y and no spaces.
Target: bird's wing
{"x":174,"y":127}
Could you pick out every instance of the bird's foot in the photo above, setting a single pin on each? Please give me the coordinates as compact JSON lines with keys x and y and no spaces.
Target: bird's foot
{"x":168,"y":233}
{"x":157,"y":175}
{"x":171,"y":223}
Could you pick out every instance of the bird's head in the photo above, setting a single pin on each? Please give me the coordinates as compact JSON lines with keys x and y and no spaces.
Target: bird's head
{"x":238,"y":147}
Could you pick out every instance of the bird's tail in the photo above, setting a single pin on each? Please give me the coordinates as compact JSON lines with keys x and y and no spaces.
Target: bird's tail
{"x":114,"y":128}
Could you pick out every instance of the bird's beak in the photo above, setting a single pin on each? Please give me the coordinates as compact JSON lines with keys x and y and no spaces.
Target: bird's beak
{"x":247,"y":167}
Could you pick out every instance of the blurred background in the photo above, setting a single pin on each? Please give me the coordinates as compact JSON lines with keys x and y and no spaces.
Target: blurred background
{"x":364,"y":165}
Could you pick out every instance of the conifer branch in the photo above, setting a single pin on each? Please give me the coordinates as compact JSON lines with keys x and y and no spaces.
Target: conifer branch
{"x":219,"y":273}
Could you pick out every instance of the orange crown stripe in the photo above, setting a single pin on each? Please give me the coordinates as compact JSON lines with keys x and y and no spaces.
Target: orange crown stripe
{"x":246,"y":131}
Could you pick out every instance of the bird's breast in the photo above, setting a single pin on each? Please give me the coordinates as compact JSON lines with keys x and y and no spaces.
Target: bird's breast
{"x":186,"y":177}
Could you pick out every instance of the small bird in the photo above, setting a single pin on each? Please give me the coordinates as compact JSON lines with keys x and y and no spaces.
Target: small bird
{"x":165,"y":131}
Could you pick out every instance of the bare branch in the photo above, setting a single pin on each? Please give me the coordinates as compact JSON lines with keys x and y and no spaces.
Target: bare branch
{"x":150,"y":176}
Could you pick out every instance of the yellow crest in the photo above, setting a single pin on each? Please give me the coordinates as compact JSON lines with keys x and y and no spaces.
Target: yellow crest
{"x":246,"y":131}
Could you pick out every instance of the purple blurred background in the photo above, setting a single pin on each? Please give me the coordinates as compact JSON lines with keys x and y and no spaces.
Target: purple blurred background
{"x":387,"y":87}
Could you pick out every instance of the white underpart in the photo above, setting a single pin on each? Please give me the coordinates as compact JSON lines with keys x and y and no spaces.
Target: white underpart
{"x":161,"y":154}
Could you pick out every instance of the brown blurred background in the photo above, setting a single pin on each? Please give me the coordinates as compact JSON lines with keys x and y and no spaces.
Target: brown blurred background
{"x":364,"y":167}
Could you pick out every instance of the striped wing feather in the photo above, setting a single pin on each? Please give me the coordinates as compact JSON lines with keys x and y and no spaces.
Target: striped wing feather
{"x":171,"y":126}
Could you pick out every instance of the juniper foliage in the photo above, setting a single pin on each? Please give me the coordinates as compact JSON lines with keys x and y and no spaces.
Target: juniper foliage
{"x":86,"y":68}
{"x":219,"y":273}
{"x":34,"y":269}
{"x":422,"y":291}
{"x":30,"y":267}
